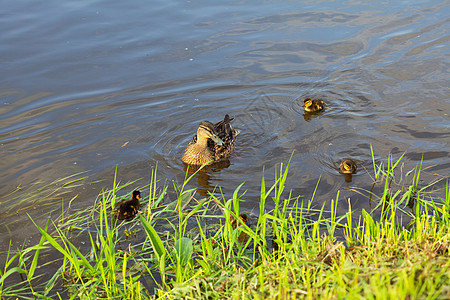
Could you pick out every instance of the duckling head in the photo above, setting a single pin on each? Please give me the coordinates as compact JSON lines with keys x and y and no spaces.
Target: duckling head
{"x":307,"y":103}
{"x":136,"y":194}
{"x":243,"y":217}
{"x":347,"y":167}
{"x":205,"y":131}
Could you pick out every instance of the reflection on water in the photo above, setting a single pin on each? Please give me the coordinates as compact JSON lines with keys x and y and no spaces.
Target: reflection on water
{"x":99,"y":84}
{"x":348,"y":177}
{"x":307,"y":115}
{"x":204,"y":175}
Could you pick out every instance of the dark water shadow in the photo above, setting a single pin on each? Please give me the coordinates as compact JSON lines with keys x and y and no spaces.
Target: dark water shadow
{"x":203,"y":175}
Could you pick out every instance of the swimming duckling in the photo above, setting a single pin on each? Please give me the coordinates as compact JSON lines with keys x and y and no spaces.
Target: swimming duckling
{"x":212,"y":143}
{"x":313,"y":105}
{"x":347,"y":166}
{"x":127,"y":209}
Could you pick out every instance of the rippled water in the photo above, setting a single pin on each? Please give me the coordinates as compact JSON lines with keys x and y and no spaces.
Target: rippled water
{"x":82,"y":78}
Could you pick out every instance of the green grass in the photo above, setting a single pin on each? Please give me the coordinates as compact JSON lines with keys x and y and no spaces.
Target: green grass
{"x":188,"y":247}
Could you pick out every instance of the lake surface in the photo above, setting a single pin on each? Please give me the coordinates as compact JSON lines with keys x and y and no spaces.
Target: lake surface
{"x":91,"y":85}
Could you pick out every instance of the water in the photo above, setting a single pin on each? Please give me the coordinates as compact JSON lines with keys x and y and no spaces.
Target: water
{"x":80,"y":79}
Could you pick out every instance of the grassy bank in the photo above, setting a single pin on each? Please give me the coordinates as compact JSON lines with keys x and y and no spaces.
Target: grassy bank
{"x":198,"y":248}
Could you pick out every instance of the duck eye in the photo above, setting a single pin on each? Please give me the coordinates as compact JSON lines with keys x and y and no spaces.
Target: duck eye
{"x":308,"y":103}
{"x":346,"y":166}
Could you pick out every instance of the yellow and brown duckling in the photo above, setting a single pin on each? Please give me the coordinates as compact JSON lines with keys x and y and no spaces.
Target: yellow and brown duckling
{"x":313,"y":105}
{"x":243,"y":219}
{"x":127,"y":209}
{"x":348,"y":166}
{"x":212,"y":143}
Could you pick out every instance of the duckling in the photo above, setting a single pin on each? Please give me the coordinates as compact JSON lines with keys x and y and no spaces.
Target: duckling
{"x":243,"y":219}
{"x":127,"y":209}
{"x":212,"y":143}
{"x":347,"y":166}
{"x":313,"y":105}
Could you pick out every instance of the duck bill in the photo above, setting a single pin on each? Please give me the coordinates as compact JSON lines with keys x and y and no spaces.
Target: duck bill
{"x":217,"y":140}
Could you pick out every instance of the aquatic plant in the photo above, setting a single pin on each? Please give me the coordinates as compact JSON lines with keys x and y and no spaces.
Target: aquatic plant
{"x":185,"y":246}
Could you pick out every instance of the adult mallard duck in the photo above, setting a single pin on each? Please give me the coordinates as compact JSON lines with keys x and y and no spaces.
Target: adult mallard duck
{"x":212,"y":143}
{"x":127,"y":209}
{"x":313,"y":105}
{"x":347,"y":166}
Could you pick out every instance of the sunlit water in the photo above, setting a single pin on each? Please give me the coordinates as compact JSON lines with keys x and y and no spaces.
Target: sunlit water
{"x":91,"y":85}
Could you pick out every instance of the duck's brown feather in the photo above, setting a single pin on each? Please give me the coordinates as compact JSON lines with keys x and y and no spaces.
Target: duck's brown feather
{"x":197,"y":153}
